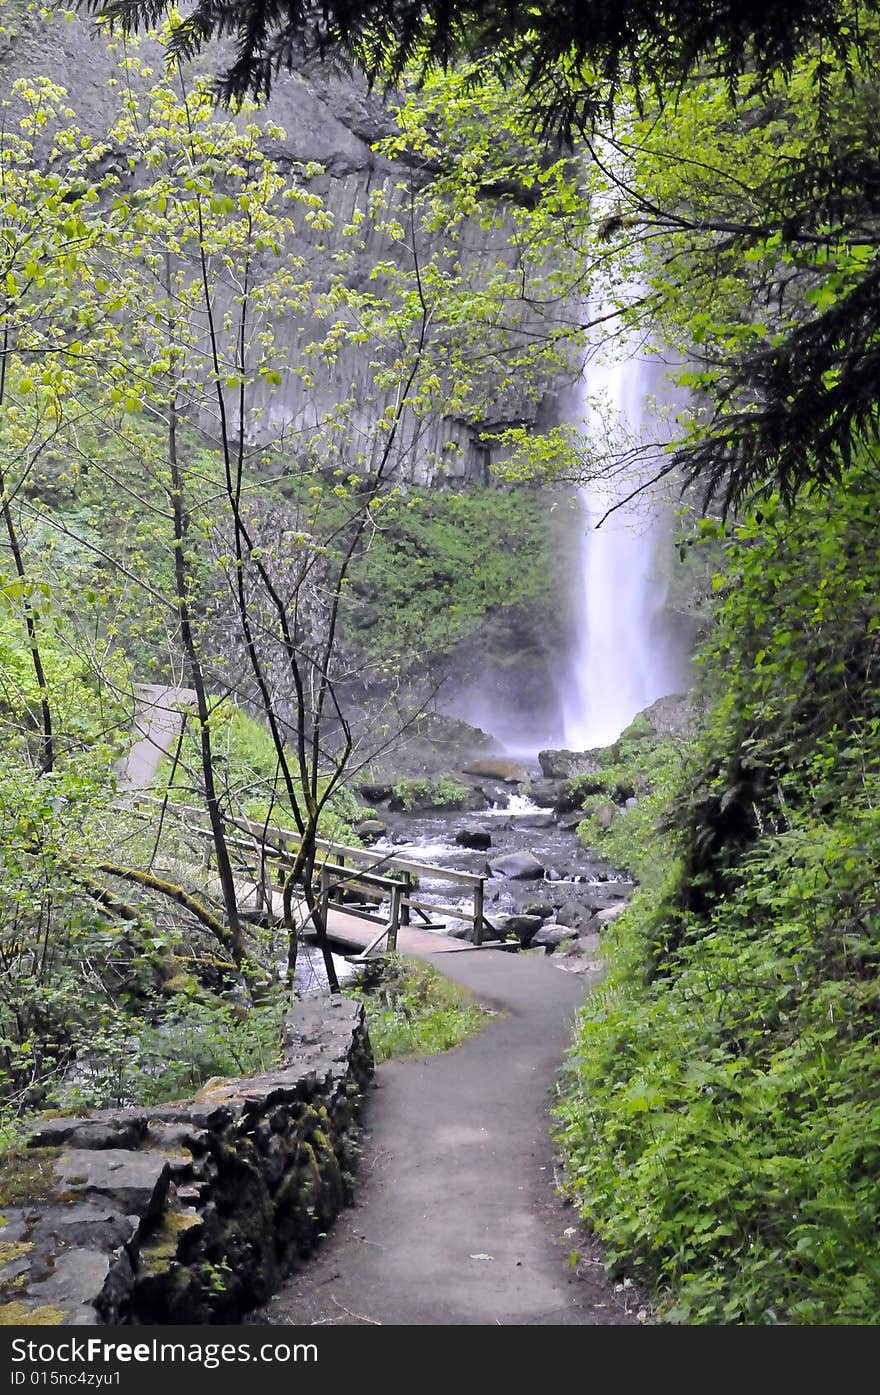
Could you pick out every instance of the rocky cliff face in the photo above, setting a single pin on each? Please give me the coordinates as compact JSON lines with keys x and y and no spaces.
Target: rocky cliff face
{"x":332,"y":120}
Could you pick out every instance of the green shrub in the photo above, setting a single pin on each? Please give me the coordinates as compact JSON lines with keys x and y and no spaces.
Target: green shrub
{"x":124,"y":1059}
{"x":246,"y":766}
{"x":442,"y":562}
{"x":431,"y":792}
{"x":635,"y":840}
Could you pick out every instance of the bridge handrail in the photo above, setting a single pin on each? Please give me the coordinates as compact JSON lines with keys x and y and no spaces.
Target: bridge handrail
{"x":290,"y":836}
{"x":278,"y":840}
{"x":352,"y":876}
{"x":367,"y":856}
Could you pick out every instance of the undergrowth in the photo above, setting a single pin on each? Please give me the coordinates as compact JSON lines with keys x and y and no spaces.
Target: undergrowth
{"x":721,"y":1119}
{"x":639,"y":767}
{"x":431,"y":791}
{"x":413,"y":1010}
{"x":246,"y":769}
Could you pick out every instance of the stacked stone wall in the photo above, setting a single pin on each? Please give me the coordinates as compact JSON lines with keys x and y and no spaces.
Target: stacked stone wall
{"x":190,"y":1212}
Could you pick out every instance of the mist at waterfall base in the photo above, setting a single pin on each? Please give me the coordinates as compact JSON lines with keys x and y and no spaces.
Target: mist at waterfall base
{"x":626,"y":652}
{"x":626,"y":649}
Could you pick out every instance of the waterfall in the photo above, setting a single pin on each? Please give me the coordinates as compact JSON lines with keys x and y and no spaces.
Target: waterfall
{"x":625,"y":655}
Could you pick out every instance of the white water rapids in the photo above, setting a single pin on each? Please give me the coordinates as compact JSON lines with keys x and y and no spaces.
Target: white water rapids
{"x":624,"y":657}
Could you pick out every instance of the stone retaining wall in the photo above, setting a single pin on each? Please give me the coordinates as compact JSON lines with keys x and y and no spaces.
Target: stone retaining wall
{"x":191,"y":1212}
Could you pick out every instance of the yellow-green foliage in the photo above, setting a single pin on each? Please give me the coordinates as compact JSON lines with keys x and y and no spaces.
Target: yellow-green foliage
{"x":91,"y":709}
{"x":246,"y":764}
{"x":642,"y":766}
{"x":431,"y":791}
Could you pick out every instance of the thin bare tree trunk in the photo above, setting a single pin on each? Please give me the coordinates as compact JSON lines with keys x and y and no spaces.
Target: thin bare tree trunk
{"x":180,"y":516}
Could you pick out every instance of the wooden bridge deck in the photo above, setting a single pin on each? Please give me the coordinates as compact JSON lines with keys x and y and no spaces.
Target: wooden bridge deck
{"x":354,"y":933}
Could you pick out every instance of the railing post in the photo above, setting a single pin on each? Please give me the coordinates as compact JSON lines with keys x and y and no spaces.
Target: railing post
{"x":404,"y":910}
{"x":478,"y":913}
{"x":264,"y":887}
{"x":325,"y":900}
{"x":395,"y":918}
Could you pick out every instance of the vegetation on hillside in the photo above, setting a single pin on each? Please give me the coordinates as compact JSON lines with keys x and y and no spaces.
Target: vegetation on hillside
{"x":622,"y":802}
{"x":442,"y":565}
{"x":147,"y":264}
{"x":721,"y":1122}
{"x":792,"y":397}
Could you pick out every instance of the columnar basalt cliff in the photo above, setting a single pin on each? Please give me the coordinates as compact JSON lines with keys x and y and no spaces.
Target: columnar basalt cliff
{"x":331,"y":122}
{"x":190,"y":1212}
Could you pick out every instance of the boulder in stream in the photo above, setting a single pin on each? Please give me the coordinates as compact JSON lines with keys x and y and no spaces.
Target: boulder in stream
{"x":542,"y":911}
{"x":525,"y":927}
{"x":549,"y":937}
{"x":597,"y":896}
{"x":586,"y":946}
{"x":509,"y":772}
{"x":562,"y":765}
{"x":474,"y":836}
{"x":535,"y":821}
{"x":518,"y":866}
{"x":610,"y":913}
{"x":376,"y":793}
{"x":543,"y":792}
{"x":574,"y":915}
{"x":370,"y":830}
{"x":464,"y":930}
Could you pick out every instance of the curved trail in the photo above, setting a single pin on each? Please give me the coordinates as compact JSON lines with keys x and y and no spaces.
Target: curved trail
{"x":158,"y":720}
{"x":456,"y":1220}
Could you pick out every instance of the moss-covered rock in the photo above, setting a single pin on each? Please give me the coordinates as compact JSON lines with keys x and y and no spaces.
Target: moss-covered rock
{"x":26,"y":1175}
{"x":191,"y":1212}
{"x":434,"y":792}
{"x":20,"y":1314}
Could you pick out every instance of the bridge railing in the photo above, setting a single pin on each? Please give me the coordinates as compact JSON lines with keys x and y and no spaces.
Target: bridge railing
{"x":366,"y":865}
{"x":346,"y":877}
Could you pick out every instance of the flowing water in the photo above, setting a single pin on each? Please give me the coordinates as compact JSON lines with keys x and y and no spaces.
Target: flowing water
{"x":519,"y":826}
{"x":625,"y":654}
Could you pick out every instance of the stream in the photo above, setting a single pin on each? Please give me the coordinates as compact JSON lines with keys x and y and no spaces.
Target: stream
{"x":521,"y":827}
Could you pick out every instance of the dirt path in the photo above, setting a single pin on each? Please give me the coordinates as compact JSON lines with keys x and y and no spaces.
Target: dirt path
{"x":456,"y":1219}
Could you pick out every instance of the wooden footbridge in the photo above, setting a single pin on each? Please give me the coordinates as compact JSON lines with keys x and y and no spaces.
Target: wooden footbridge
{"x":370,"y":901}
